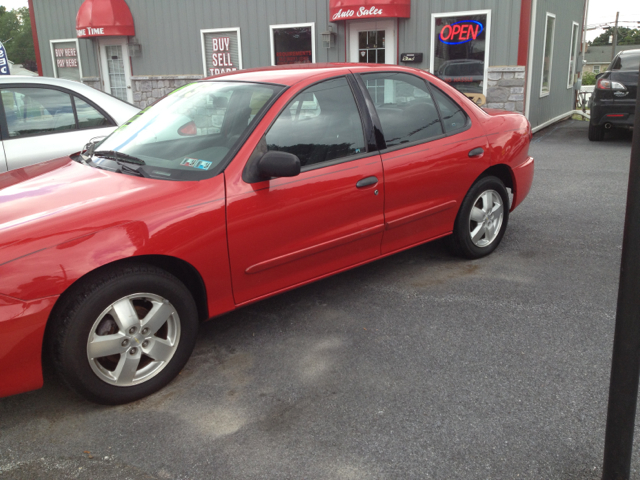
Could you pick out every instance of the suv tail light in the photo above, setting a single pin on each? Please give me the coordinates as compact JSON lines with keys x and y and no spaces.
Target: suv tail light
{"x":606,"y":84}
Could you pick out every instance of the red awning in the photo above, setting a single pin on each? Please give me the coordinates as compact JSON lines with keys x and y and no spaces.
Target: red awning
{"x":360,"y":9}
{"x":98,"y":18}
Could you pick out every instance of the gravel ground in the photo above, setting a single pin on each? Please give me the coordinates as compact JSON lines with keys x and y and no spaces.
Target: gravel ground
{"x":417,"y":366}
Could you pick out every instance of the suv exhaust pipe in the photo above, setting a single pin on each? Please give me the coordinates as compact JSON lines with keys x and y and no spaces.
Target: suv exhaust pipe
{"x":608,"y":126}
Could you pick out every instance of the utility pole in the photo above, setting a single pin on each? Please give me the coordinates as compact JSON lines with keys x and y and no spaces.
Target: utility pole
{"x":615,"y":37}
{"x":625,"y":364}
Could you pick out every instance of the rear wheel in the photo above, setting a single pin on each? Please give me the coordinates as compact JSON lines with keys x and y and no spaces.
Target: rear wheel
{"x":482,"y":219}
{"x":124,"y":333}
{"x":596,"y":132}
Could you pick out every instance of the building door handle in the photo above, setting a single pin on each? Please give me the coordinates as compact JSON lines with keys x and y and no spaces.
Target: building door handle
{"x":365,"y":182}
{"x":476,"y":152}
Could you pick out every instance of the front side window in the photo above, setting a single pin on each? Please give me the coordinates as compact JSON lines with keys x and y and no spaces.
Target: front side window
{"x":547,"y":57}
{"x":405,"y":107}
{"x":460,"y":50}
{"x":292,"y":44}
{"x":37,"y":111}
{"x":320,"y":124}
{"x":188,"y":134}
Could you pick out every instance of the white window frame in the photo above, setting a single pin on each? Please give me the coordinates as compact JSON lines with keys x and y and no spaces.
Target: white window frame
{"x":235,"y":30}
{"x":487,"y":42}
{"x":293,"y":25}
{"x":574,"y":47}
{"x":594,"y":69}
{"x":53,"y":55}
{"x":546,"y":93}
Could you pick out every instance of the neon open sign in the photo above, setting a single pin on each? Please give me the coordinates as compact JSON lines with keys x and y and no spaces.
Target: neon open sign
{"x":461,"y":32}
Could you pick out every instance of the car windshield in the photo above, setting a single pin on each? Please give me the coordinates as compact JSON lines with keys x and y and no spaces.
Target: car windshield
{"x":189,"y":134}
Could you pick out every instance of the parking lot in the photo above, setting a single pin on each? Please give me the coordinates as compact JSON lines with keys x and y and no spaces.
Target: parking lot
{"x":420,"y":365}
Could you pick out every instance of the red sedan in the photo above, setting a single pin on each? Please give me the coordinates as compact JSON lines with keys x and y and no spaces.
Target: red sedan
{"x":230,"y":190}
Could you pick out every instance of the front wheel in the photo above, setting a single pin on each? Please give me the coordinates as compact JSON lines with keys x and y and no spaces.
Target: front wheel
{"x":482,"y":219}
{"x":124,"y":333}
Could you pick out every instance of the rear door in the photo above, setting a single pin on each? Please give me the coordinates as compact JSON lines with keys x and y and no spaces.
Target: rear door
{"x":286,"y":231}
{"x":433,"y":155}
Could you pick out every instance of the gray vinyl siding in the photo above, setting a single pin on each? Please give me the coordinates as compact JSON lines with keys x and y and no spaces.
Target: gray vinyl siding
{"x":56,"y":19}
{"x":169,"y":31}
{"x":560,"y":98}
{"x":415,"y":32}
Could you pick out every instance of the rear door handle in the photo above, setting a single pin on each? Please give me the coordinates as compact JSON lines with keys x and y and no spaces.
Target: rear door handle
{"x":365,"y":182}
{"x":476,"y":152}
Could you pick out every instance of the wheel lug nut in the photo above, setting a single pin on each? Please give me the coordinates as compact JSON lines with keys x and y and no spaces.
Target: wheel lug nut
{"x":145,"y":331}
{"x":125,"y":342}
{"x":132,"y":330}
{"x":133,"y":351}
{"x":145,"y":343}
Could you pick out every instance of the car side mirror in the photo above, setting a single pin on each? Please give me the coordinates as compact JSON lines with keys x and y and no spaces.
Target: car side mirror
{"x":278,"y":164}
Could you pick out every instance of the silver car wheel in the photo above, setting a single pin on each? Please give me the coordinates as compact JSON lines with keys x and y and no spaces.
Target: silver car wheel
{"x":486,"y":217}
{"x":133,"y":339}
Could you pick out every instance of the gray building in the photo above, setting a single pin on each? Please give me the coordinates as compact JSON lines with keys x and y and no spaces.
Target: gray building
{"x":517,"y":55}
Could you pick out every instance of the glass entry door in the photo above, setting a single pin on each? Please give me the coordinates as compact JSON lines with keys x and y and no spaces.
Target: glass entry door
{"x":372,"y":41}
{"x":115,"y":68}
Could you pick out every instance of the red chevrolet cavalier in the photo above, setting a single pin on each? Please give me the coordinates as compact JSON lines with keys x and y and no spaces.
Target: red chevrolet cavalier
{"x":230,"y":190}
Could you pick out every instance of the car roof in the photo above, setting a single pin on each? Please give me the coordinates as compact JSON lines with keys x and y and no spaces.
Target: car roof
{"x":291,"y":74}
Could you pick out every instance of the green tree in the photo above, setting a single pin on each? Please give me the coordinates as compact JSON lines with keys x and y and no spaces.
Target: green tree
{"x":626,"y":36}
{"x":15,"y":33}
{"x":589,"y":78}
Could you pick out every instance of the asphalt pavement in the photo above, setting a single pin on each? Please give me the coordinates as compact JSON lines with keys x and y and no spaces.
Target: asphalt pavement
{"x":417,"y":366}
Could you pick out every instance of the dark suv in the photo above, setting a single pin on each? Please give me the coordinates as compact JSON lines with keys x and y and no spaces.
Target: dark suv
{"x":614,"y":99}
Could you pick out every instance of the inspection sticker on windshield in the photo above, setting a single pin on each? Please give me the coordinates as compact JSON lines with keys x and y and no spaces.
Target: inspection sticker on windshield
{"x":195,"y":163}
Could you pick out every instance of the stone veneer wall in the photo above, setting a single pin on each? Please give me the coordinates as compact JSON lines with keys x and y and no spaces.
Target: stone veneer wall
{"x":505,"y":88}
{"x":150,"y":88}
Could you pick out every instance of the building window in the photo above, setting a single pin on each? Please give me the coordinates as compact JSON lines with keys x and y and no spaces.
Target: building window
{"x":221,"y":50}
{"x":596,"y":69}
{"x":573,"y":55}
{"x":547,"y":57}
{"x":65,"y":58}
{"x":371,"y":46}
{"x":292,"y":44}
{"x":460,"y":49}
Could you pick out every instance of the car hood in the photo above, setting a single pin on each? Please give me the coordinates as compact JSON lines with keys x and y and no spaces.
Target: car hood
{"x":47,"y":204}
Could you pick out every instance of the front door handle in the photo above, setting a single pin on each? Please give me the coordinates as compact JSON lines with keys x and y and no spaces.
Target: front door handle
{"x":365,"y":182}
{"x":476,"y":152}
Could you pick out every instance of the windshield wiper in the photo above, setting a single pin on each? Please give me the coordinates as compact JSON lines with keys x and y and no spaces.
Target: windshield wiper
{"x":113,"y":155}
{"x":124,"y":168}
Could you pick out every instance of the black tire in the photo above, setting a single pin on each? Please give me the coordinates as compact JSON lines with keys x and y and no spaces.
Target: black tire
{"x":95,"y":312}
{"x":491,"y":228}
{"x":596,"y":132}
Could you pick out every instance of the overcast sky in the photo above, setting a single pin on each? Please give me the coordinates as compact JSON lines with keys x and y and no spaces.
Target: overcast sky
{"x":600,"y":11}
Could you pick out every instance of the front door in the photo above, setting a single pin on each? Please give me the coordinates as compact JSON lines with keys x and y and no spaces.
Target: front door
{"x":372,"y":41}
{"x":283,"y":232}
{"x":116,"y":68}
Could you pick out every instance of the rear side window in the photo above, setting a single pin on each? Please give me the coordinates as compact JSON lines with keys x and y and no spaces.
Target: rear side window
{"x":322,"y":123}
{"x":454,"y":119}
{"x":630,"y":61}
{"x":405,"y":107}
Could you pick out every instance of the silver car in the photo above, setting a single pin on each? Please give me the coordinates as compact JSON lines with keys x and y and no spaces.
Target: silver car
{"x":44,"y":118}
